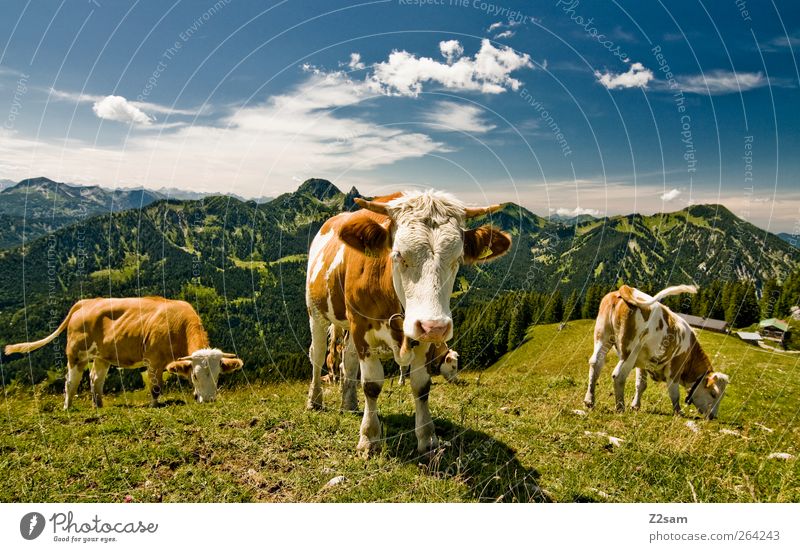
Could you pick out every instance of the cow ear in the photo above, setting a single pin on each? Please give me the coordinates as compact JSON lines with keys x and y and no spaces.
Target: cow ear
{"x":231,"y":364}
{"x":180,"y":367}
{"x":365,"y":235}
{"x":484,"y":244}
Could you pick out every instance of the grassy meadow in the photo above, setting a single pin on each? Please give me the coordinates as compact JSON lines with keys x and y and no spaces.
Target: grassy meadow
{"x":514,"y":432}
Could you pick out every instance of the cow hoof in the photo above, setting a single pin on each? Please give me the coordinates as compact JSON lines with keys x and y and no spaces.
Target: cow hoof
{"x":589,"y":403}
{"x":635,"y":407}
{"x":313,"y":405}
{"x":98,"y":403}
{"x":352,"y":408}
{"x":367,"y":448}
{"x":620,"y":408}
{"x":429,"y":447}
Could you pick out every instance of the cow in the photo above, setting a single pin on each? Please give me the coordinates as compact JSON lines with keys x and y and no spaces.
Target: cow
{"x":385,"y":273}
{"x":150,"y":332}
{"x":649,"y":336}
{"x":440,"y":360}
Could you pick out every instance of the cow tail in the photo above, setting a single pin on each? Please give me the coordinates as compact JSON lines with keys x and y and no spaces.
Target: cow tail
{"x":627,"y":294}
{"x":33,"y":345}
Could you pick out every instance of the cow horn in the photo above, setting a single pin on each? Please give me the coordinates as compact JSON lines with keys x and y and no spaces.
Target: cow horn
{"x":229,"y":355}
{"x":185,"y":358}
{"x":373,"y":206}
{"x":472,"y":212}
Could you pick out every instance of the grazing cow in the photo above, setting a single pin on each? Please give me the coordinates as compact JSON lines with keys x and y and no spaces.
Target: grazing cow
{"x":386,"y":273}
{"x":131,"y":333}
{"x":649,"y":336}
{"x":440,"y":360}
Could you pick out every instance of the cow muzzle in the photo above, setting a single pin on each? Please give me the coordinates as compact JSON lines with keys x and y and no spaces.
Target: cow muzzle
{"x":436,"y":331}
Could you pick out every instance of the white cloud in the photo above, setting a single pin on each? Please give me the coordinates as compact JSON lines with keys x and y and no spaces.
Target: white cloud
{"x":495,"y":26}
{"x":722,"y":82}
{"x":458,"y":117}
{"x":259,"y":147}
{"x":355,"y":62}
{"x":117,"y":108}
{"x":577,"y":211}
{"x":504,"y":34}
{"x":451,"y":50}
{"x":404,"y":74}
{"x":670,"y":195}
{"x":80,"y":97}
{"x":637,"y":75}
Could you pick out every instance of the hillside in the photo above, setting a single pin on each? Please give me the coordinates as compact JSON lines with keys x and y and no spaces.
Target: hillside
{"x":515,"y":432}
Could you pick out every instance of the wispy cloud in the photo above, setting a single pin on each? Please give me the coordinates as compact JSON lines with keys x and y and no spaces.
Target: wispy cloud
{"x":452,"y":116}
{"x":300,"y":133}
{"x":781,"y":42}
{"x":637,"y":76}
{"x":577,"y":211}
{"x":147,"y":107}
{"x":720,"y":82}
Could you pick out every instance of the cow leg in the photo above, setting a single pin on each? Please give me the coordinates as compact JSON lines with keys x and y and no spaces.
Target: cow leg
{"x":316,"y":353}
{"x":596,"y":363}
{"x":156,"y":376}
{"x":641,"y":385}
{"x":372,"y":382}
{"x":349,"y":376}
{"x":403,"y":374}
{"x":97,"y":377}
{"x":421,"y":387}
{"x":74,"y":373}
{"x":620,"y":375}
{"x":673,"y":390}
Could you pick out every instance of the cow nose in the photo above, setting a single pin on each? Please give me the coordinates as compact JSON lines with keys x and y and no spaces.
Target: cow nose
{"x":433,"y":330}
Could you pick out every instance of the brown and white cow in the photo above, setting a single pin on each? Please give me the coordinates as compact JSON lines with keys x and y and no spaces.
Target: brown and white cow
{"x":650,"y":337}
{"x":386,"y":273}
{"x":131,"y":333}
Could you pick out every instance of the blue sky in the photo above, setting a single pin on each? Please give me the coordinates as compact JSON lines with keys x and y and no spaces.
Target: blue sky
{"x":564,"y":107}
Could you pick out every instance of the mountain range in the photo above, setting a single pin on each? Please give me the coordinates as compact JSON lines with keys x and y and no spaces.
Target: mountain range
{"x":37,"y":206}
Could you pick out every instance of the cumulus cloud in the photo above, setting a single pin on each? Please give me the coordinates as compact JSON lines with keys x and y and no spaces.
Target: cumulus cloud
{"x":458,"y":117}
{"x":451,"y":50}
{"x":117,"y":108}
{"x":721,"y":82}
{"x":671,"y":195}
{"x":147,"y":107}
{"x":355,"y":62}
{"x":637,"y":75}
{"x":489,"y":71}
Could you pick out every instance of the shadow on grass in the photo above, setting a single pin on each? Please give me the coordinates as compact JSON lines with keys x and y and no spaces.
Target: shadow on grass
{"x":161,"y":404}
{"x":488,"y":467}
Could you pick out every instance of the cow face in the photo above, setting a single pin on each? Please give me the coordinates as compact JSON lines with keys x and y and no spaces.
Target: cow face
{"x":425,"y":241}
{"x":708,"y":394}
{"x":449,"y":367}
{"x":203,"y":367}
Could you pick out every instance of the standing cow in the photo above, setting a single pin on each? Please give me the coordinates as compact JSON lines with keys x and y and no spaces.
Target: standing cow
{"x":131,"y":333}
{"x":650,"y":337}
{"x":386,"y":273}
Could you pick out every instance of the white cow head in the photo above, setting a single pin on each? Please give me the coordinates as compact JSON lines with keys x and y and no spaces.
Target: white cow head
{"x":204,"y":367}
{"x":708,"y":394}
{"x":425,"y":240}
